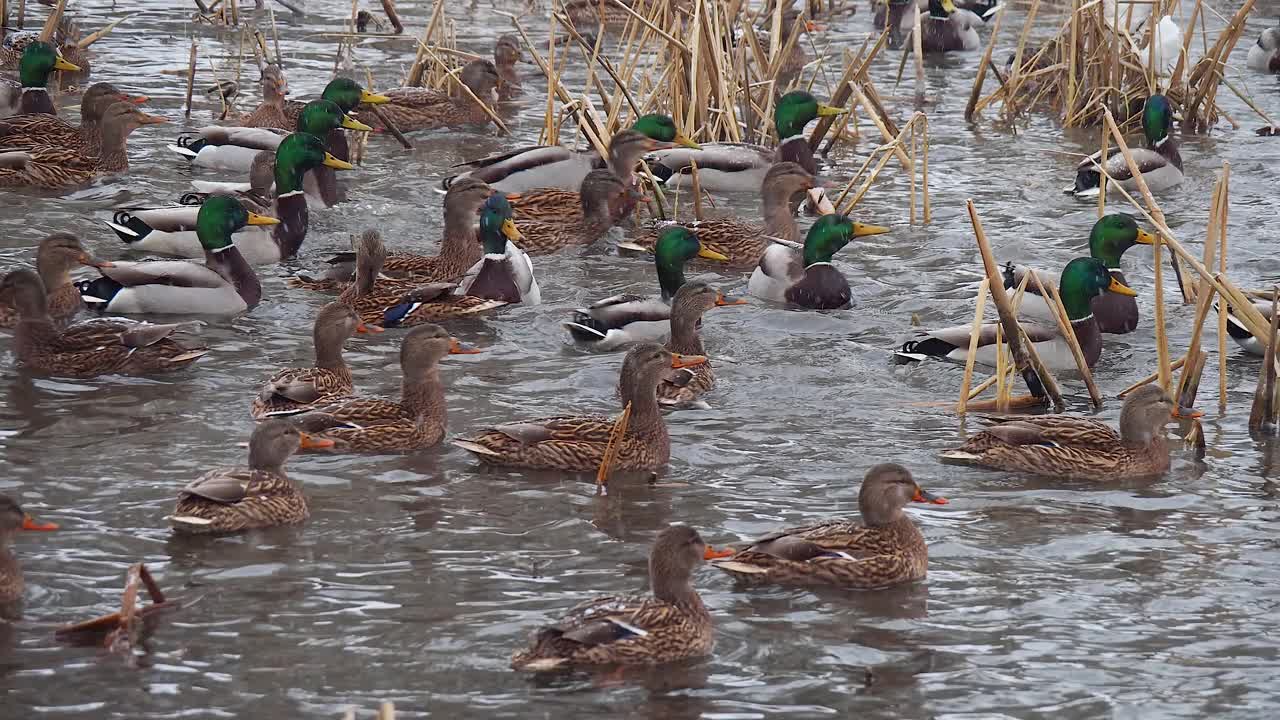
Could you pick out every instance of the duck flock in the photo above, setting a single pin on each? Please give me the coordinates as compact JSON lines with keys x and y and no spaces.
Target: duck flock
{"x":262,"y":175}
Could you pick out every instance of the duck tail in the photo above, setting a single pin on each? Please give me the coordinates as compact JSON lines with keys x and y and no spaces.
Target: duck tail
{"x":1086,"y":184}
{"x":919,"y":350}
{"x":127,"y":227}
{"x":98,"y":293}
{"x":585,"y":328}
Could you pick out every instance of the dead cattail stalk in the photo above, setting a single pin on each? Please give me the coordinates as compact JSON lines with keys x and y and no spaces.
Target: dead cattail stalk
{"x":1263,"y":412}
{"x":51,"y":22}
{"x":191,"y":76}
{"x":975,"y":333}
{"x":611,"y":449}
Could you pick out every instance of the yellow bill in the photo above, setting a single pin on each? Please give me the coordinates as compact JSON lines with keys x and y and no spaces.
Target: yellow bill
{"x":709,"y":254}
{"x":373,"y":98}
{"x":62,"y":64}
{"x":1145,"y":238}
{"x":256,"y":219}
{"x":510,"y":230}
{"x":863,"y":229}
{"x":829,"y":111}
{"x":351,"y":123}
{"x":1120,"y":288}
{"x":336,"y":164}
{"x":683,"y":141}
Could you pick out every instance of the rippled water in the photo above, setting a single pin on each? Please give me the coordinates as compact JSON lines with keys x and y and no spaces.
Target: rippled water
{"x":416,"y":576}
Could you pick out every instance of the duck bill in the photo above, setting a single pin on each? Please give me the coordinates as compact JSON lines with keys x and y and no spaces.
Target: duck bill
{"x":30,"y":523}
{"x":829,"y":111}
{"x":684,"y":141}
{"x":924,"y":496}
{"x":457,"y":347}
{"x":1120,"y":288}
{"x":351,"y":123}
{"x":653,"y":145}
{"x":1145,"y":238}
{"x":145,"y":119}
{"x":136,"y":99}
{"x":373,"y":98}
{"x":513,"y":197}
{"x":863,"y":229}
{"x":948,"y":6}
{"x":62,"y":64}
{"x":811,"y":26}
{"x":683,"y":361}
{"x":369,"y":329}
{"x":1186,"y":413}
{"x":336,"y":164}
{"x":510,"y":231}
{"x":711,"y":553}
{"x":723,"y":300}
{"x":90,"y":261}
{"x":709,"y":254}
{"x":256,"y":219}
{"x":311,"y":442}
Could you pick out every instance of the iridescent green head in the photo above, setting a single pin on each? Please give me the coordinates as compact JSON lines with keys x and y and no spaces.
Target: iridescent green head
{"x":219,"y":217}
{"x":347,"y":94}
{"x":1082,"y":280}
{"x":1113,"y":234}
{"x":662,"y":128}
{"x":496,"y":225}
{"x":830,"y":234}
{"x":38,"y":60}
{"x":676,"y":246}
{"x":1157,"y":120}
{"x":318,"y":117}
{"x":298,"y":153}
{"x":795,"y":109}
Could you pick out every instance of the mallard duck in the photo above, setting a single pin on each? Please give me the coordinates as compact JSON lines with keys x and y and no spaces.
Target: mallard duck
{"x":422,"y":109}
{"x":93,"y":347}
{"x":29,"y":94}
{"x":297,"y":389}
{"x":224,"y":285}
{"x":271,"y":113}
{"x":231,"y":500}
{"x":740,"y":240}
{"x":544,"y":166}
{"x":1066,"y":447}
{"x":1240,"y":332}
{"x":1264,"y":55}
{"x":1160,"y":163}
{"x":234,"y":148}
{"x":397,"y":303}
{"x":882,"y":550}
{"x":19,"y":132}
{"x":257,"y":195}
{"x":806,"y":278}
{"x":1110,"y":237}
{"x":577,"y":444}
{"x":669,"y":624}
{"x":1082,"y":280}
{"x":57,"y":255}
{"x":414,"y":423}
{"x":602,"y":202}
{"x":623,"y":319}
{"x":505,"y":272}
{"x":741,"y":167}
{"x":57,"y":166}
{"x":685,"y":387}
{"x":506,"y":54}
{"x":172,"y":230}
{"x":12,"y":520}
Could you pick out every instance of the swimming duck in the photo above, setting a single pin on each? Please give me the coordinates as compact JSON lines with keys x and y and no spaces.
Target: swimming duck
{"x":398,"y":303}
{"x":422,"y":109}
{"x":234,"y":148}
{"x":506,"y":54}
{"x":93,"y":347}
{"x":883,"y":549}
{"x":232,"y":500}
{"x":55,"y":166}
{"x":685,"y":387}
{"x":170,"y":231}
{"x":1062,"y":446}
{"x":669,"y":624}
{"x":348,"y":95}
{"x":948,"y":26}
{"x":270,"y":114}
{"x":602,"y":202}
{"x":12,"y":520}
{"x":1110,"y":237}
{"x":740,"y":240}
{"x":1160,"y":162}
{"x":57,"y":255}
{"x":577,"y":443}
{"x":29,"y":94}
{"x":505,"y":272}
{"x":417,"y":421}
{"x":1082,"y":280}
{"x":297,"y":389}
{"x":224,"y":285}
{"x":727,"y":167}
{"x":623,"y":319}
{"x":19,"y":132}
{"x":1264,"y":55}
{"x":806,"y":278}
{"x":543,"y":166}
{"x":1240,"y":332}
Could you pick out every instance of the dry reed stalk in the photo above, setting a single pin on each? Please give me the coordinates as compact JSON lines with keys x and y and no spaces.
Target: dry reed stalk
{"x":974,"y":334}
{"x":844,"y":88}
{"x":1189,"y":382}
{"x":191,"y":76}
{"x":1265,"y":406}
{"x":99,"y":34}
{"x":611,"y":449}
{"x":414,"y":76}
{"x":51,"y":22}
{"x":976,"y":91}
{"x":1180,"y":362}
{"x":1223,"y":210}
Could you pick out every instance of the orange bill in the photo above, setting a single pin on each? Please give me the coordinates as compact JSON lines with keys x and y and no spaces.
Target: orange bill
{"x":135,"y":99}
{"x":924,"y":496}
{"x":457,"y":347}
{"x":713,"y":554}
{"x":309,"y":442}
{"x":90,"y":261}
{"x":684,"y":361}
{"x":30,"y":523}
{"x":722,"y":300}
{"x":370,"y":329}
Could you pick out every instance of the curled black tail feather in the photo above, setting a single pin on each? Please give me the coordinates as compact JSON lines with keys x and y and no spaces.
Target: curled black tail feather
{"x":125,"y":219}
{"x":98,"y":293}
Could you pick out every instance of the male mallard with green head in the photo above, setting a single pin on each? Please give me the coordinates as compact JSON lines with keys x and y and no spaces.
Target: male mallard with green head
{"x":505,"y":272}
{"x":30,"y":94}
{"x":1159,"y":163}
{"x":807,"y":278}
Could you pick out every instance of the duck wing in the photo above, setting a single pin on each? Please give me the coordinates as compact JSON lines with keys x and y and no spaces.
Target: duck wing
{"x":221,"y":486}
{"x":178,"y":273}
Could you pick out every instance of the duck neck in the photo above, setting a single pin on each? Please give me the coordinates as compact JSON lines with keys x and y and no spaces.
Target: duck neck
{"x":291,"y":209}
{"x":685,"y":338}
{"x":460,"y":248}
{"x":796,"y":149}
{"x":113,"y":154}
{"x":646,"y":417}
{"x":670,"y":279}
{"x":677,"y":590}
{"x":778,"y":220}
{"x":90,"y":133}
{"x":329,"y":354}
{"x":423,"y":395}
{"x":233,"y":268}
{"x":260,"y":462}
{"x":622,"y":161}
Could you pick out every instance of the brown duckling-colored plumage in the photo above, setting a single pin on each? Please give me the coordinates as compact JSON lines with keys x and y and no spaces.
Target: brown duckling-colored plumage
{"x":57,"y":255}
{"x":54,"y":166}
{"x":667,"y":625}
{"x":13,"y":520}
{"x":415,"y":422}
{"x":883,"y":549}
{"x":93,"y":347}
{"x":683,"y":387}
{"x":422,"y":109}
{"x":1079,"y":448}
{"x":21,"y":132}
{"x":604,"y":201}
{"x":271,"y":113}
{"x":506,"y":55}
{"x":259,"y":496}
{"x":297,"y":389}
{"x":577,"y":443}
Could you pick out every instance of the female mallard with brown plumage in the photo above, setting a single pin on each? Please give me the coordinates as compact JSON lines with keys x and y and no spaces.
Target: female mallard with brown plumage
{"x":30,"y":94}
{"x":884,"y":549}
{"x":271,"y":113}
{"x":806,"y":277}
{"x":57,"y":166}
{"x":506,"y":54}
{"x":422,"y":109}
{"x":742,"y":241}
{"x":1078,"y":448}
{"x":685,"y":387}
{"x":669,"y":624}
{"x":298,"y":389}
{"x":259,"y":496}
{"x":602,"y":202}
{"x":12,"y":520}
{"x":90,"y":348}
{"x":20,"y":132}
{"x":57,"y":255}
{"x":417,"y":421}
{"x":577,"y":443}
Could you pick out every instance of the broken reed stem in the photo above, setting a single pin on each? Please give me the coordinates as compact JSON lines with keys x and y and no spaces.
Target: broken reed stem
{"x":191,"y":77}
{"x":1189,"y":383}
{"x":1263,"y":412}
{"x":51,"y":22}
{"x":611,"y":448}
{"x":976,"y":92}
{"x":1180,"y":362}
{"x":1224,"y":209}
{"x":975,"y":334}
